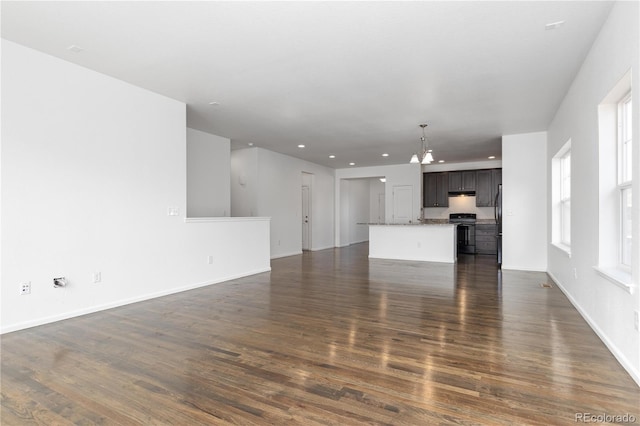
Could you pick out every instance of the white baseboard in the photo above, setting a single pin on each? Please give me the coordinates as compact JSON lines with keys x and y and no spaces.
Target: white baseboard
{"x":358,"y":242}
{"x":521,"y":268}
{"x":322,"y":248}
{"x":628,"y":366}
{"x":293,"y":253}
{"x":122,"y":302}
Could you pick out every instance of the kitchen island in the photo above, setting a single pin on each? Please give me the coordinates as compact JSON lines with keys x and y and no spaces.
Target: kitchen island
{"x":423,"y":242}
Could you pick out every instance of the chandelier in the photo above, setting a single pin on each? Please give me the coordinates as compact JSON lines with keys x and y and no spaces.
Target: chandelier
{"x":424,"y":156}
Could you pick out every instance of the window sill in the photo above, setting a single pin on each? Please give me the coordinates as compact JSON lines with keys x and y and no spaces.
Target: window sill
{"x":563,"y":248}
{"x":617,"y":276}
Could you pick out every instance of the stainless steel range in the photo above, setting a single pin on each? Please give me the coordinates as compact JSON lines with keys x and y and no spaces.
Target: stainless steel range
{"x":466,"y":234}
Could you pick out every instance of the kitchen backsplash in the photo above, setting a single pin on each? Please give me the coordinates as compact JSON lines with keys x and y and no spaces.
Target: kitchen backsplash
{"x":458,"y":205}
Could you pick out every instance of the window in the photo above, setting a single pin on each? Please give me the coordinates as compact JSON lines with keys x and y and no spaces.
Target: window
{"x":615,"y":180}
{"x":561,"y":198}
{"x":625,"y":180}
{"x":565,"y":199}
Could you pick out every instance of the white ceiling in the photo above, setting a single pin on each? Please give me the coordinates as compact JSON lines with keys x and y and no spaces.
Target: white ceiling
{"x":354,"y":79}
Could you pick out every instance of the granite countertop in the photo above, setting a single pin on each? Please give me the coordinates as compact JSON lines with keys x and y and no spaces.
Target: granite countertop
{"x":429,"y":222}
{"x":478,"y":221}
{"x":435,"y":221}
{"x":445,"y":223}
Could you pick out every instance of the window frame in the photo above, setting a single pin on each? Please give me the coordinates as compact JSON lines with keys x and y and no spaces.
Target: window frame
{"x":565,"y":198}
{"x":624,"y":177}
{"x":609,"y":193}
{"x":561,"y":198}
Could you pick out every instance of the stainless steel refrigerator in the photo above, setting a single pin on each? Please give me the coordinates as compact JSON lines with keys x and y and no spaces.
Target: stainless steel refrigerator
{"x":497,"y":211}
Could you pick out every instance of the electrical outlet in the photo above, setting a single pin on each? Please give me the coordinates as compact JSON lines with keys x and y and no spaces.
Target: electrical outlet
{"x":210,"y":260}
{"x":25,"y":288}
{"x":97,"y":277}
{"x":636,"y":320}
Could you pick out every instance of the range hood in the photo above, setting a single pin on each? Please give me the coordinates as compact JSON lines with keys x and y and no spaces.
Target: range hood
{"x":462,"y":193}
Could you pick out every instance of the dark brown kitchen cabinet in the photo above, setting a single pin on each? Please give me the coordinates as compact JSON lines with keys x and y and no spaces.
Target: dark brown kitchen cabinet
{"x":435,"y":189}
{"x":462,"y":181}
{"x":486,"y":241}
{"x":484,"y":185}
{"x":487,"y":182}
{"x":497,"y":179}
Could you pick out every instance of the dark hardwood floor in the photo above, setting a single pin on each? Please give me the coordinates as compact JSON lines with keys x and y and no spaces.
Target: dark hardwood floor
{"x":327,"y":337}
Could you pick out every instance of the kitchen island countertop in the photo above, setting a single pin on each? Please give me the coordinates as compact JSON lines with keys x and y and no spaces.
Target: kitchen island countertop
{"x":428,"y":242}
{"x":405,"y":224}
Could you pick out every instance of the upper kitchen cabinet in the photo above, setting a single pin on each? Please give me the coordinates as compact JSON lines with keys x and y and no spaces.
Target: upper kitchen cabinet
{"x":484,"y":184}
{"x":487,"y":182}
{"x":462,"y":181}
{"x":436,"y":189}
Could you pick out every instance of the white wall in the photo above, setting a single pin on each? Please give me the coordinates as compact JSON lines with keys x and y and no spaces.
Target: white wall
{"x":376,"y":190}
{"x":90,"y":166}
{"x":608,"y":308}
{"x":401,"y":174}
{"x":277,"y":182}
{"x":466,"y":204}
{"x":208,"y":175}
{"x":524,"y":201}
{"x":343,"y":216}
{"x":244,"y":183}
{"x":359,"y":206}
{"x":468,"y":165}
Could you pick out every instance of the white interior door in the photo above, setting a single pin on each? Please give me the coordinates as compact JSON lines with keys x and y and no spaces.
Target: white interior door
{"x":306,"y":220}
{"x":402,"y":203}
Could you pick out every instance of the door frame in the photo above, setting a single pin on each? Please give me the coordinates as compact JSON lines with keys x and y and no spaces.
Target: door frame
{"x":306,"y":183}
{"x":306,"y":221}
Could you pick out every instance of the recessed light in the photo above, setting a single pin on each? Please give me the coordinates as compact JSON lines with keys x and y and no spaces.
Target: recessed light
{"x":352,"y":164}
{"x":385,"y":155}
{"x":301,"y":146}
{"x":75,"y":49}
{"x":332,"y":156}
{"x":383,"y":180}
{"x":440,"y":161}
{"x":250,"y":144}
{"x":554,"y":25}
{"x":491,"y":157}
{"x":214,"y":103}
